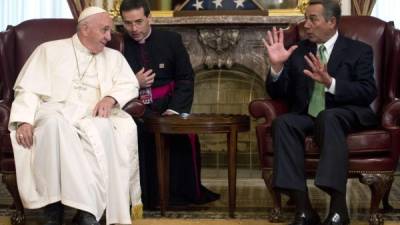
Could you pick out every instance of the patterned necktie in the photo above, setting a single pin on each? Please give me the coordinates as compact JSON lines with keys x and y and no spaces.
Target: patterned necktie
{"x":317,"y":102}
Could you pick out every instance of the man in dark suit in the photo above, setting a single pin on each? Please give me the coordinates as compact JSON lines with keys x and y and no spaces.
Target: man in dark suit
{"x":328,"y":82}
{"x":163,"y":69}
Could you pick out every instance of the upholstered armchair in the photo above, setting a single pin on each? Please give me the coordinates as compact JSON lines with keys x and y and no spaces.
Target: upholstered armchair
{"x":16,"y":45}
{"x":373,"y":153}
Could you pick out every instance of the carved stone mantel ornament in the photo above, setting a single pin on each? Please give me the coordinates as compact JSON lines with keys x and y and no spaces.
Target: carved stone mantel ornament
{"x":218,"y":45}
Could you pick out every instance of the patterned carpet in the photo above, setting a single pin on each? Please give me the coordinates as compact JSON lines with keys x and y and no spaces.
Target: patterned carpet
{"x":253,"y":205}
{"x":5,"y":221}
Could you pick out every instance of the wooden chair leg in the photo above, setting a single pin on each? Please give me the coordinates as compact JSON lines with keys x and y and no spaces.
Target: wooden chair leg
{"x":276,"y":214}
{"x":379,"y":184}
{"x":10,"y":180}
{"x":385,"y":201}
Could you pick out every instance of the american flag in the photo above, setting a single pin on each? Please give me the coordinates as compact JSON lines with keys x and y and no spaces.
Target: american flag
{"x":220,"y":5}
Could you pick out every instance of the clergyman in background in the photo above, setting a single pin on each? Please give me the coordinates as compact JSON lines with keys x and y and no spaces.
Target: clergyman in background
{"x":162,"y":66}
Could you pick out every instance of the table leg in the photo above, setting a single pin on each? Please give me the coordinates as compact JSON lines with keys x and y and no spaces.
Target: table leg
{"x":232,"y":145}
{"x":161,"y":172}
{"x":166,"y":174}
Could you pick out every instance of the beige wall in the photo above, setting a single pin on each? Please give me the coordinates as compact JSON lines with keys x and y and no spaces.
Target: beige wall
{"x":346,"y":7}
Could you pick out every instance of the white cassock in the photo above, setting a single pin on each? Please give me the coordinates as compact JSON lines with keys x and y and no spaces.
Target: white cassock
{"x":89,"y":163}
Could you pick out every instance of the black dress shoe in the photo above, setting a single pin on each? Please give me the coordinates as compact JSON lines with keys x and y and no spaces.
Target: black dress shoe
{"x":84,"y":218}
{"x":302,"y":218}
{"x":336,"y":219}
{"x":54,"y":214}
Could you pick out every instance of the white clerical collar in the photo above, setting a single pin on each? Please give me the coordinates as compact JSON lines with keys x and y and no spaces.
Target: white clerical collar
{"x":79,"y":46}
{"x":330,"y":43}
{"x":144,"y":39}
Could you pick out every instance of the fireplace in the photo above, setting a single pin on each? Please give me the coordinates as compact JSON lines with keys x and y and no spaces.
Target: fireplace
{"x":230,"y":64}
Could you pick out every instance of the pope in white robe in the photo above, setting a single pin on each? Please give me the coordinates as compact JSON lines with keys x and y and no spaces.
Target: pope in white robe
{"x":72,"y":142}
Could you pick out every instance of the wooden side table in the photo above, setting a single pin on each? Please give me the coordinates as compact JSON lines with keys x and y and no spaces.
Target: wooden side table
{"x":195,"y":123}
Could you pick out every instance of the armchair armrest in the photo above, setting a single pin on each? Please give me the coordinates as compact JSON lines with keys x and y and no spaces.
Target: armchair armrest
{"x":135,"y":108}
{"x":267,"y":108}
{"x":4,"y":117}
{"x":391,"y":115}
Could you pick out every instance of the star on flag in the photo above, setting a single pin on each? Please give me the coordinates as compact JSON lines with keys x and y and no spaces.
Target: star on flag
{"x":239,"y":3}
{"x":218,"y":3}
{"x":198,"y":5}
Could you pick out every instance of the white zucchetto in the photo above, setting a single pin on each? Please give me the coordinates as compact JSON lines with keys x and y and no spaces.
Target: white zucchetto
{"x":90,"y":11}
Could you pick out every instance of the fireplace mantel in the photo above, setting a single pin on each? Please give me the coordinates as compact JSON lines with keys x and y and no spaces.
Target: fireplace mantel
{"x":226,"y":20}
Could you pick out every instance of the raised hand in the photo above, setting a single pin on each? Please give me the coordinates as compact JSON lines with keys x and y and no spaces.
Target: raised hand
{"x":277,"y":53}
{"x":318,"y":70}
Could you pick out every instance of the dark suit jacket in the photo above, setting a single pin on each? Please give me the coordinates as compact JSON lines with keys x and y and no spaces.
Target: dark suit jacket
{"x":170,"y":61}
{"x":350,"y":63}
